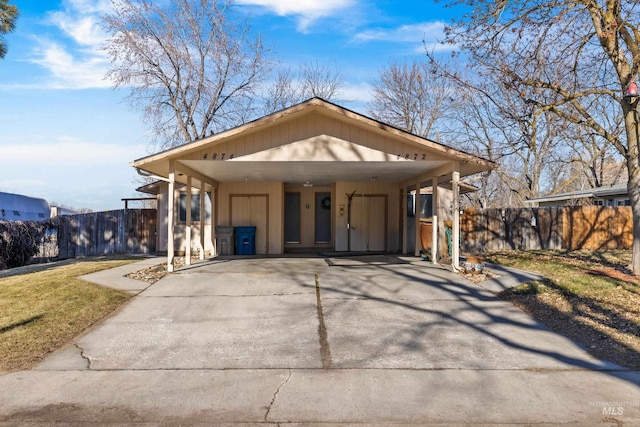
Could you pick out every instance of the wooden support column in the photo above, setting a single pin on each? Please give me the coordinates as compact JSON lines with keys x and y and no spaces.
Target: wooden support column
{"x":203,"y":193}
{"x":187,"y":249}
{"x":434,"y":220}
{"x":455,"y":234}
{"x":214,"y":220}
{"x":405,"y":208}
{"x":171,"y":202}
{"x":416,"y":204}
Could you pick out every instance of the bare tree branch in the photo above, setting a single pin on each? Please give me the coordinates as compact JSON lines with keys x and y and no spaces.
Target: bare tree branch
{"x":191,"y":65}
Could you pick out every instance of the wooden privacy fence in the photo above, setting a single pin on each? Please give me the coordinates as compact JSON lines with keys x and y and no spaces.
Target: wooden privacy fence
{"x":559,"y":228}
{"x":101,"y":233}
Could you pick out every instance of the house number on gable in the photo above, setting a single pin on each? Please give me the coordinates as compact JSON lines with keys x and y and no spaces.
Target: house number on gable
{"x":215,"y":156}
{"x":414,"y":156}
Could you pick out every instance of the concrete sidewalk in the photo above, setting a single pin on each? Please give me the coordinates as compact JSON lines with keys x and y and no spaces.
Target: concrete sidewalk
{"x":115,"y":277}
{"x":308,"y":340}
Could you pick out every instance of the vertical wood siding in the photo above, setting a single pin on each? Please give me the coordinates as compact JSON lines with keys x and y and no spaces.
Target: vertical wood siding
{"x":111,"y":232}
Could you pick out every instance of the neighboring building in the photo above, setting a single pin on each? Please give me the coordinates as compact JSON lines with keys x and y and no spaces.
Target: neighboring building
{"x":16,"y":207}
{"x":614,"y":195}
{"x":313,"y":177}
{"x":62,"y":211}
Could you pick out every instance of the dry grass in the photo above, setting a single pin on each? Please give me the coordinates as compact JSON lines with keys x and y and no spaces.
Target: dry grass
{"x":591,"y":297}
{"x":43,"y":310}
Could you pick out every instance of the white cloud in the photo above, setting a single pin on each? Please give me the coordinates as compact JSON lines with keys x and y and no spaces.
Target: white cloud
{"x":307,"y":11}
{"x":74,"y":59}
{"x":84,"y":30}
{"x":81,"y":71}
{"x":359,"y":93}
{"x":425,"y":34}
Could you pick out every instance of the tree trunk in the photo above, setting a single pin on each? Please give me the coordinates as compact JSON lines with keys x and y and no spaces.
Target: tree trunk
{"x":633,"y":186}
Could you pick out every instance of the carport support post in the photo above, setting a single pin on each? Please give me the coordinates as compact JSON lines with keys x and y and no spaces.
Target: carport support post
{"x":170,"y":215}
{"x":214,"y":220}
{"x":187,"y":249}
{"x":416,"y":204}
{"x":405,"y":214}
{"x":455,"y":238}
{"x":434,"y":220}
{"x":202,"y":196}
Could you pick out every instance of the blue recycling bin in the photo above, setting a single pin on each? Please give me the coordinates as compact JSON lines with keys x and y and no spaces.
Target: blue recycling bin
{"x":246,"y":240}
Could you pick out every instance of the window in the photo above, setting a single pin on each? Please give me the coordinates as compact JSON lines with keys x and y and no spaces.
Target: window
{"x":195,"y":207}
{"x":426,"y":205}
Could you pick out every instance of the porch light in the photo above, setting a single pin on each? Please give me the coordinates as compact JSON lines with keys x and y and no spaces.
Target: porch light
{"x":374,"y":178}
{"x":307,"y":184}
{"x":632,"y":91}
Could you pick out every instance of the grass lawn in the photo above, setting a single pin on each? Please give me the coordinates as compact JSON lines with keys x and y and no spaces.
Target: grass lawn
{"x":591,"y":297}
{"x":41,"y":311}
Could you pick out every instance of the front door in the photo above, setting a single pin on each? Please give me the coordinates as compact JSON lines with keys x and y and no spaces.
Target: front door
{"x":323,"y":217}
{"x":368,"y":225}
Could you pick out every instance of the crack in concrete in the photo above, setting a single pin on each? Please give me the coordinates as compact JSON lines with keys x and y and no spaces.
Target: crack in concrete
{"x":275,"y":395}
{"x":84,"y":356}
{"x":325,"y":351}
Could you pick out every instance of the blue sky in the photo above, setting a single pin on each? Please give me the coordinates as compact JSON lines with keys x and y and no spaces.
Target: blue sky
{"x":68,"y":137}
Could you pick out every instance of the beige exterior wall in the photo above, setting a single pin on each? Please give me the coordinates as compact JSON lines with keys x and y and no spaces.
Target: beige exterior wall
{"x":270,"y":239}
{"x":308,"y":217}
{"x":316,"y":137}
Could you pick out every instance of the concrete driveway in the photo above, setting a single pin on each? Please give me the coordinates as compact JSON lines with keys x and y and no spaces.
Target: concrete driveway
{"x":310,"y":340}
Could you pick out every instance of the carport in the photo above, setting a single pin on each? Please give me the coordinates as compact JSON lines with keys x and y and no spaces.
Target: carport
{"x":315,"y":176}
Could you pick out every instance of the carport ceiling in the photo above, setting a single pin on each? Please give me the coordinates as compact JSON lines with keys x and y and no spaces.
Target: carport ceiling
{"x":315,"y":172}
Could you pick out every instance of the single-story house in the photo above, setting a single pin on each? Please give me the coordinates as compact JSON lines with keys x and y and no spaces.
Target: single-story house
{"x":313,"y":177}
{"x":611,"y":195}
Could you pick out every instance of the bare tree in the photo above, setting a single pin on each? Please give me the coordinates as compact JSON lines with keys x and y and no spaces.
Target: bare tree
{"x":595,"y":162}
{"x":312,"y":80}
{"x":493,"y":120}
{"x":320,"y":81}
{"x":411,"y":97}
{"x":192,"y":65}
{"x":574,"y":53}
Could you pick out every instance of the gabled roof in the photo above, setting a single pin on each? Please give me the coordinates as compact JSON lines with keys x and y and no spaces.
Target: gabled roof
{"x":314,"y":116}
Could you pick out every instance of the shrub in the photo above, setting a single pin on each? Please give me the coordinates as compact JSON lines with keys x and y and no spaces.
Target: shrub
{"x":19,"y":241}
